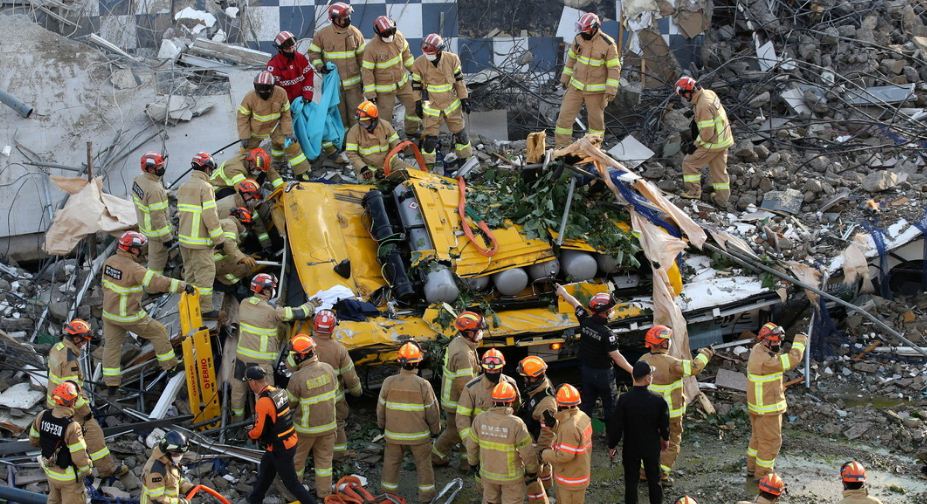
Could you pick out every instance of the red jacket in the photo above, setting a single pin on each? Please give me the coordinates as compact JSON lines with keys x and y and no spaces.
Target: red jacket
{"x":295,"y":75}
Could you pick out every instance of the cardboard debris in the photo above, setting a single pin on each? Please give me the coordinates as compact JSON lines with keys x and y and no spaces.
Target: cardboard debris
{"x":87,"y":212}
{"x":731,"y":380}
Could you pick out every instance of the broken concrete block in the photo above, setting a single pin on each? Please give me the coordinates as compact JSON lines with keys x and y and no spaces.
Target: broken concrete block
{"x":857,"y":430}
{"x":731,"y":379}
{"x":169,"y":49}
{"x":788,"y":201}
{"x":124,"y":78}
{"x":21,"y":396}
{"x":882,"y":180}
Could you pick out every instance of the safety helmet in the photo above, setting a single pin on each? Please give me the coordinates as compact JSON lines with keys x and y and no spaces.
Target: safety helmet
{"x":384,"y":26}
{"x":588,"y":23}
{"x":685,"y":84}
{"x":493,"y":361}
{"x":567,"y":395}
{"x":853,"y":472}
{"x":410,"y":353}
{"x":242,"y":214}
{"x":284,"y":40}
{"x":174,"y":442}
{"x":151,"y":162}
{"x":302,"y":344}
{"x":249,"y":189}
{"x":203,"y":161}
{"x":263,"y":283}
{"x":432,"y":44}
{"x":258,"y":159}
{"x":324,"y":322}
{"x":771,"y":332}
{"x":601,"y":302}
{"x":339,"y":10}
{"x":685,"y":499}
{"x":772,"y":484}
{"x":504,"y":392}
{"x":532,"y":366}
{"x":66,"y":394}
{"x":78,"y":328}
{"x":264,"y":84}
{"x":132,"y":242}
{"x":657,"y":335}
{"x":469,"y":321}
{"x":367,"y":110}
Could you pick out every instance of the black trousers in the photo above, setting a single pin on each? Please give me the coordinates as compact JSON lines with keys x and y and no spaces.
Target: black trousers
{"x":631,"y":460}
{"x":598,"y":382}
{"x":279,"y":462}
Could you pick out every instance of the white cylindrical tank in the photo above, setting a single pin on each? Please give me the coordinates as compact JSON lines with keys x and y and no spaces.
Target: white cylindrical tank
{"x":510,"y":282}
{"x":608,"y":264}
{"x":577,"y":265}
{"x":548,"y":269}
{"x":477,"y":284}
{"x":440,"y":286}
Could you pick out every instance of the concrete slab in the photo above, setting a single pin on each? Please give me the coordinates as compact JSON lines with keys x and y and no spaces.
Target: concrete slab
{"x":21,"y":396}
{"x":630,"y":152}
{"x":490,"y":124}
{"x":731,"y":380}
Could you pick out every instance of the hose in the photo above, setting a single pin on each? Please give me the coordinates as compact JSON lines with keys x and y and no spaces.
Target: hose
{"x":399,"y":148}
{"x":461,"y":211}
{"x":208,"y":490}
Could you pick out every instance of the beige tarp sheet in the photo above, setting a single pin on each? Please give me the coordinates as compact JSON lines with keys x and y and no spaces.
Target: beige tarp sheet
{"x":88,"y":211}
{"x":855,"y":264}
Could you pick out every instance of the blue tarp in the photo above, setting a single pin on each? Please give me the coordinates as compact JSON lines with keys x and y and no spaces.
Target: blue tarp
{"x":315,"y":123}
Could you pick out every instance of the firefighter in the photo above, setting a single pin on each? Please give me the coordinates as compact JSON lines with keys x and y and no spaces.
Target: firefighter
{"x":64,"y":451}
{"x":766,"y":396}
{"x":712,"y":139}
{"x":770,"y":489}
{"x":343,"y":45}
{"x":200,"y":231}
{"x":408,"y":413}
{"x":440,"y":92}
{"x":853,"y":475}
{"x":248,"y":194}
{"x":231,"y":263}
{"x":590,"y":76}
{"x":334,"y":353}
{"x":124,"y":283}
{"x":385,"y":72}
{"x":598,"y":350}
{"x":264,"y":114}
{"x":163,"y":479}
{"x":291,"y":68}
{"x":571,"y":449}
{"x":64,"y":365}
{"x":258,"y":336}
{"x":459,"y":367}
{"x":254,"y":164}
{"x":498,"y":435}
{"x":476,"y":395}
{"x":668,"y":375}
{"x":151,"y":209}
{"x":368,"y":142}
{"x":273,"y":427}
{"x":314,"y":385}
{"x":539,"y":406}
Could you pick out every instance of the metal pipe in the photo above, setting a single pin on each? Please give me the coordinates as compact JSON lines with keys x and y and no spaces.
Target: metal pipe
{"x":15,"y":104}
{"x":566,"y":210}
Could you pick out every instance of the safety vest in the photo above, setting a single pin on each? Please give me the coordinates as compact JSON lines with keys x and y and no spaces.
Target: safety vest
{"x":282,"y":428}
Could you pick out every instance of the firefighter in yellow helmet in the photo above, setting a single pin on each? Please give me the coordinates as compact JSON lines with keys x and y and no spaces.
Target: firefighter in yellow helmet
{"x":766,"y":395}
{"x":460,"y":366}
{"x":685,"y":499}
{"x":571,"y":453}
{"x":668,"y":375}
{"x":335,"y":354}
{"x":64,"y":455}
{"x":770,"y":488}
{"x":502,"y":449}
{"x":712,"y":139}
{"x":853,"y":475}
{"x":409,"y":414}
{"x":538,"y":406}
{"x":369,"y":141}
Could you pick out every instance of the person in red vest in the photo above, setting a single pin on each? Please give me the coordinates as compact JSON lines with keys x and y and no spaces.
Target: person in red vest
{"x":292,"y":69}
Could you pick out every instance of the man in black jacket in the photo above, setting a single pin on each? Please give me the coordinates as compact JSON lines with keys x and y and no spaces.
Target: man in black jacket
{"x":642,"y":418}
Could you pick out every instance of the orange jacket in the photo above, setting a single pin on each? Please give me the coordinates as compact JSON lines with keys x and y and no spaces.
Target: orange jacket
{"x":265,"y":415}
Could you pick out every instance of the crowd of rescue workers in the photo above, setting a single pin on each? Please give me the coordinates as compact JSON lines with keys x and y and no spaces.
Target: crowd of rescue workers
{"x":522,"y":440}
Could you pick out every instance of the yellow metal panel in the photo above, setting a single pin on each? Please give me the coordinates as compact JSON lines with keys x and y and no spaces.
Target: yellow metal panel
{"x":379,"y":331}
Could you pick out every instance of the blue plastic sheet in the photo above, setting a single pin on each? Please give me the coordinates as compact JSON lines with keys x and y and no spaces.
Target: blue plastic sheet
{"x":879,"y":238}
{"x":318,"y":123}
{"x":922,"y":226}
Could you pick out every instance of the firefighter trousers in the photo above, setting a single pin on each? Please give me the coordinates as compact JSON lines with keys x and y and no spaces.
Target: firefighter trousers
{"x":114,"y":335}
{"x":66,"y":492}
{"x":392,"y":463}
{"x":341,"y":439}
{"x":716,"y":161}
{"x":350,"y":99}
{"x":157,"y":255}
{"x":668,"y":456}
{"x":386,"y":102}
{"x":455,"y":124}
{"x":199,"y":270}
{"x":99,"y":453}
{"x":512,"y":492}
{"x":536,"y":492}
{"x":321,"y":447}
{"x":765,"y":442}
{"x":239,"y":390}
{"x":449,"y":437}
{"x":573,"y":100}
{"x":565,"y":496}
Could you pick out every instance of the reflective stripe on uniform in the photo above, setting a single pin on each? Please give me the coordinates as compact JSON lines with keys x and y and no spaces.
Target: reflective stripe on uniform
{"x":758,"y":381}
{"x":263,"y":353}
{"x":406,"y":436}
{"x":666,"y":391}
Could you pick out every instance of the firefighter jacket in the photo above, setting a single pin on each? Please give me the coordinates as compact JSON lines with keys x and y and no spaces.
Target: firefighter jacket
{"x":151,"y":207}
{"x":593,"y":66}
{"x":258,"y":322}
{"x":295,"y":75}
{"x":199,"y":219}
{"x":668,"y":376}
{"x":273,"y":420}
{"x":257,"y":118}
{"x":571,"y":453}
{"x":385,"y":66}
{"x":233,"y":170}
{"x":475,"y":398}
{"x":314,"y":386}
{"x":336,"y":355}
{"x":407,"y":409}
{"x":229,"y":256}
{"x":714,"y":130}
{"x":765,"y":391}
{"x":858,"y":496}
{"x":502,"y":447}
{"x":64,"y":451}
{"x":342,"y":46}
{"x":162,"y":481}
{"x":63,"y":365}
{"x":460,"y":366}
{"x":442,"y":82}
{"x":124,"y":283}
{"x":536,"y":402}
{"x":365,"y":148}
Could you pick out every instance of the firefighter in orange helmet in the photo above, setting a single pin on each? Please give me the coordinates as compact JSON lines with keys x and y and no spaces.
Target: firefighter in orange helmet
{"x":254,"y":163}
{"x":539,"y":406}
{"x":460,"y":366}
{"x":64,"y":455}
{"x":475,"y":397}
{"x":712,"y":139}
{"x":766,"y":395}
{"x":685,"y":499}
{"x":853,"y":475}
{"x":571,"y":452}
{"x":770,"y":487}
{"x":369,"y":141}
{"x":335,"y":354}
{"x":409,"y":414}
{"x":668,"y":375}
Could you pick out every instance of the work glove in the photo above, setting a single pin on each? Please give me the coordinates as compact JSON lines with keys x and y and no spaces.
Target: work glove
{"x":189,"y":289}
{"x":182,"y":500}
{"x":465,"y":105}
{"x":709,"y":352}
{"x":419,"y":109}
{"x":609,"y":98}
{"x":169,"y":244}
{"x":366,"y":173}
{"x":248,"y":261}
{"x":289,"y":140}
{"x":372,"y":100}
{"x":530,"y":478}
{"x":474,"y":469}
{"x":322,"y":69}
{"x":549,"y":419}
{"x":687,"y":147}
{"x":565,"y":83}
